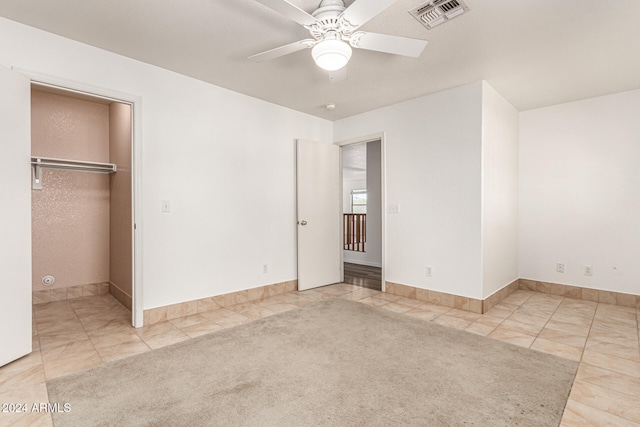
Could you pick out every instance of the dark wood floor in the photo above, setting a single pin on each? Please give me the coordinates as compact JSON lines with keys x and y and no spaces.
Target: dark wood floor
{"x":363,"y":275}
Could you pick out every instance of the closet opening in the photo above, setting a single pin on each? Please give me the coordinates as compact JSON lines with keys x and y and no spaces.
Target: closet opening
{"x":82,"y":214}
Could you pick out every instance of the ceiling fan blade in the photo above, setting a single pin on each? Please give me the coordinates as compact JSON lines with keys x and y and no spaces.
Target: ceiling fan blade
{"x":290,"y":11}
{"x":282,"y":50}
{"x":389,"y":44}
{"x":361,"y":11}
{"x":338,"y":75}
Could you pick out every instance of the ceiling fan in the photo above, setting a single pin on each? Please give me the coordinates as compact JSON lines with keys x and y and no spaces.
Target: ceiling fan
{"x":334,"y":31}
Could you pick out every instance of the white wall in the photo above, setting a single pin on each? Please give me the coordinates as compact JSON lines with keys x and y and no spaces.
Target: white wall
{"x":373,"y":246}
{"x":578,"y":183}
{"x":433,"y":161}
{"x":579,"y":192}
{"x":224,"y":160}
{"x":499,"y":191}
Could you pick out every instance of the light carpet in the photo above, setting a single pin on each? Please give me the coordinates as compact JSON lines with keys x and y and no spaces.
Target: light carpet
{"x":331,"y":363}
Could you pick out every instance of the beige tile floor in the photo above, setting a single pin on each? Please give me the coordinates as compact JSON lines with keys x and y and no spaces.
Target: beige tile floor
{"x":71,"y":336}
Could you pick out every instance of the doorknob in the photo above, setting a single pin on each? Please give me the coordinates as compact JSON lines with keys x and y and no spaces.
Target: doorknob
{"x":303,"y":222}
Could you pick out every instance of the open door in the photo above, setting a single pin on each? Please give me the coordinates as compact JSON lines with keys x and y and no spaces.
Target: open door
{"x":15,"y":226}
{"x":319,"y":216}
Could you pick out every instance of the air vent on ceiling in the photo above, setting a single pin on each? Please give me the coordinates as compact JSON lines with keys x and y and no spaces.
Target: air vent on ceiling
{"x":436,"y":12}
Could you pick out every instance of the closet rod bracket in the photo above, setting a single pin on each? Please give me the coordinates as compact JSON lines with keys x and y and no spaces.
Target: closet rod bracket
{"x":36,"y":177}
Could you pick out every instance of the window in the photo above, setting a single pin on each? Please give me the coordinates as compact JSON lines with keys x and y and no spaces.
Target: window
{"x":359,"y":201}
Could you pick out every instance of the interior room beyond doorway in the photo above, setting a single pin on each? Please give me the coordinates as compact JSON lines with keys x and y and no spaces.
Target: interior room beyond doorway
{"x":362,"y":214}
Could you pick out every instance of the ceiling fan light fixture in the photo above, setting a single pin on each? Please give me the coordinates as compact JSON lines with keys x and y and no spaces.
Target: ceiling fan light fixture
{"x":331,"y":54}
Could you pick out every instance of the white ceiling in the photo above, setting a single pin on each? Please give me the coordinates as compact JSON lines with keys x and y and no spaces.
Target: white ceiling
{"x":534,"y":52}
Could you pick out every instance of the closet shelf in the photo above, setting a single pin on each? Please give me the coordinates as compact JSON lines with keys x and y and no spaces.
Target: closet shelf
{"x":38,"y":163}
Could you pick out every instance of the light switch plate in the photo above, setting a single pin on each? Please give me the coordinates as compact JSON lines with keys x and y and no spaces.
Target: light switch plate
{"x":393,"y":208}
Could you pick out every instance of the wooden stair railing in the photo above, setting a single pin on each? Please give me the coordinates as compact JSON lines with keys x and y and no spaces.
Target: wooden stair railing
{"x":355,"y":232}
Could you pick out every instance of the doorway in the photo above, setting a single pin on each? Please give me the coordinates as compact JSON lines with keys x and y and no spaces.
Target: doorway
{"x":82,"y":223}
{"x":362,"y":184}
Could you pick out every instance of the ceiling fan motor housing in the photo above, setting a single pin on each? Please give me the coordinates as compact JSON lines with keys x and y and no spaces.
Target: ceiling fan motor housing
{"x":330,"y":4}
{"x":328,"y":20}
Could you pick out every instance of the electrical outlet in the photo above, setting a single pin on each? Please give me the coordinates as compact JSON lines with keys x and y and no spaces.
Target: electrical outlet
{"x":588,"y":270}
{"x":429,"y":271}
{"x":265,"y":268}
{"x":166,"y":206}
{"x":559,"y":267}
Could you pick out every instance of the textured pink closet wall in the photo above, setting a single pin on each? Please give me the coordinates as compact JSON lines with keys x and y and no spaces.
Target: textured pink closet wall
{"x":120,"y":154}
{"x":70,"y":215}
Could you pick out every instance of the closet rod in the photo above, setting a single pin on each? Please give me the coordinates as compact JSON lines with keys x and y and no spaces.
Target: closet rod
{"x":38,"y":163}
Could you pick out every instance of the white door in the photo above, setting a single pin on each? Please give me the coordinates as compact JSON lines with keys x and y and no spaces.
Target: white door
{"x":319,"y":225}
{"x":15,"y":217}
